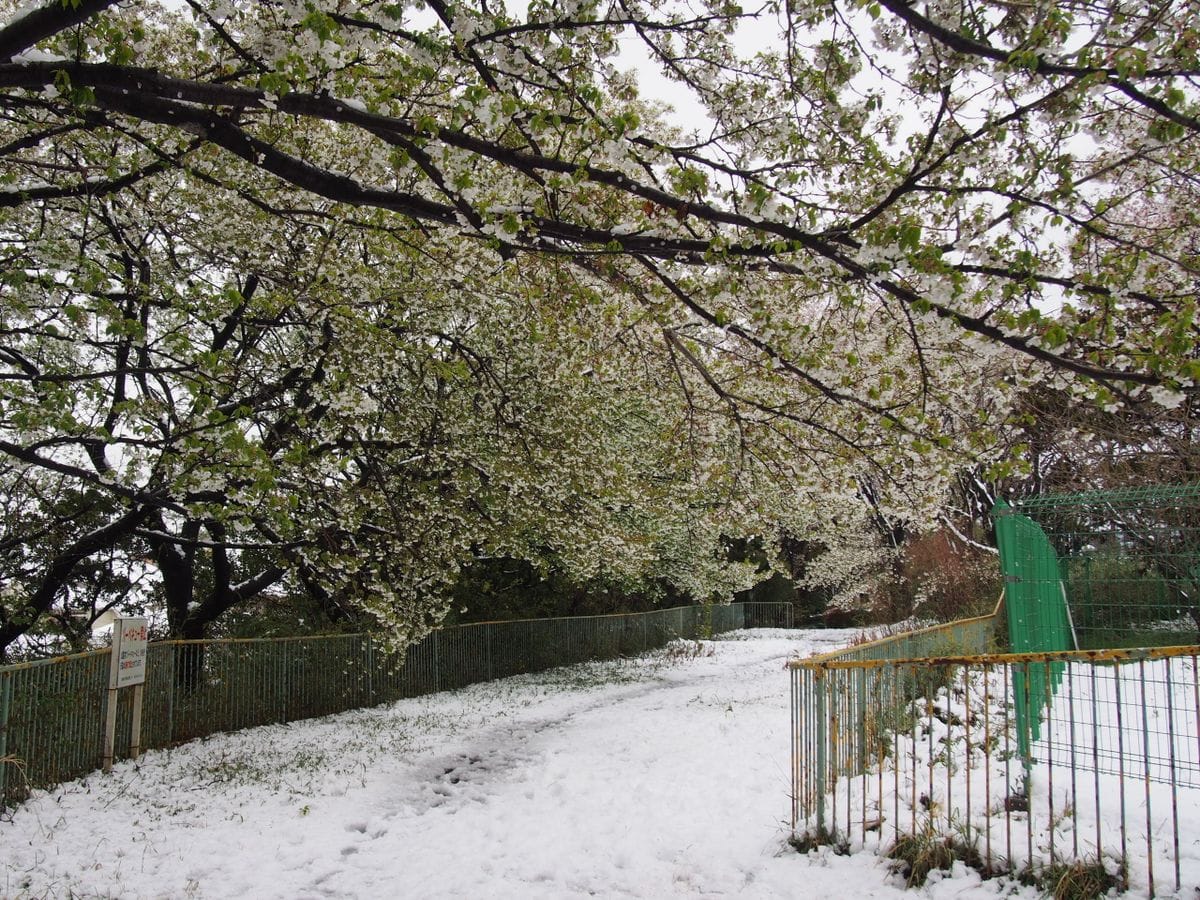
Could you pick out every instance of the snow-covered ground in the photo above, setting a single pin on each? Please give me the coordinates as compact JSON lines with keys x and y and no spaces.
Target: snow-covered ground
{"x":1114,"y":781}
{"x":662,"y":776}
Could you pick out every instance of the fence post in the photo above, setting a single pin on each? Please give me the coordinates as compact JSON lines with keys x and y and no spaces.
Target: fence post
{"x":172,"y":684}
{"x":284,"y":679}
{"x":110,"y":730}
{"x":5,"y":705}
{"x":794,"y":676}
{"x":862,"y":720}
{"x":370,"y":670}
{"x":135,"y":732}
{"x":437,"y":678}
{"x":822,"y":734}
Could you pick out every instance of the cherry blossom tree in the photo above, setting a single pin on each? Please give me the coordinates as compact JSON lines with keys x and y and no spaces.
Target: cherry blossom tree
{"x":284,"y":281}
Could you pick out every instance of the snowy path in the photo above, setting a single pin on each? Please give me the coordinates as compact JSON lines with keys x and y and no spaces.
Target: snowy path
{"x":639,"y":778}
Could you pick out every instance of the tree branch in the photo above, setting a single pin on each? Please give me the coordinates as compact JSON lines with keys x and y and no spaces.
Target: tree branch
{"x":46,"y":21}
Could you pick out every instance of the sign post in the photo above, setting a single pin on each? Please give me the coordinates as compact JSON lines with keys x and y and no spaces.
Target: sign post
{"x":127,"y":669}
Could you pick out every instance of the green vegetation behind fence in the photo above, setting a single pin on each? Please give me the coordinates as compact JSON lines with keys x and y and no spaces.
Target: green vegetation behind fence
{"x":52,"y":711}
{"x":977,"y":635}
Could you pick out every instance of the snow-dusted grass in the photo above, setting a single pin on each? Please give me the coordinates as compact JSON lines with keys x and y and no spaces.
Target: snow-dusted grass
{"x":666,"y":775}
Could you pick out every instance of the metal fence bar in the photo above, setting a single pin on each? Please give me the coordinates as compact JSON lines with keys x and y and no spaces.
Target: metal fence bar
{"x":821,"y":779}
{"x":1173,"y":779}
{"x":6,"y":682}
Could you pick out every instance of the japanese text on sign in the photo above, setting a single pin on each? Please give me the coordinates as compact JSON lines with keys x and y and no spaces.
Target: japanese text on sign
{"x":129,"y":653}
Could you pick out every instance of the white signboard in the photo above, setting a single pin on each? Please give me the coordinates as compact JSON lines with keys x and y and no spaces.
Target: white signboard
{"x":128,"y":653}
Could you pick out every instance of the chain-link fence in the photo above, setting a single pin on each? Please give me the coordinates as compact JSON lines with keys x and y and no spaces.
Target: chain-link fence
{"x":1097,"y":570}
{"x":52,"y":711}
{"x":1102,"y":569}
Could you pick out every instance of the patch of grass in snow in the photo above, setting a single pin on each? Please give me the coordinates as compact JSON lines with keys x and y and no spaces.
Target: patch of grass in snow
{"x":300,"y":760}
{"x":598,"y":674}
{"x":591,"y":675}
{"x":290,"y":769}
{"x":526,"y":690}
{"x":679,"y":651}
{"x":817,"y":838}
{"x":23,"y":888}
{"x":1079,"y":880}
{"x":16,"y":766}
{"x":916,"y":856}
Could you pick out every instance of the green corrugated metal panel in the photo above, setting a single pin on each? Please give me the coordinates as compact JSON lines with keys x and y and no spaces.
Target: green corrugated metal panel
{"x":51,"y":711}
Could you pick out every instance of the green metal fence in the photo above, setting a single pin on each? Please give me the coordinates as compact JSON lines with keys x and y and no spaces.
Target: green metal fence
{"x":1127,"y":563}
{"x":52,"y":711}
{"x":763,"y":614}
